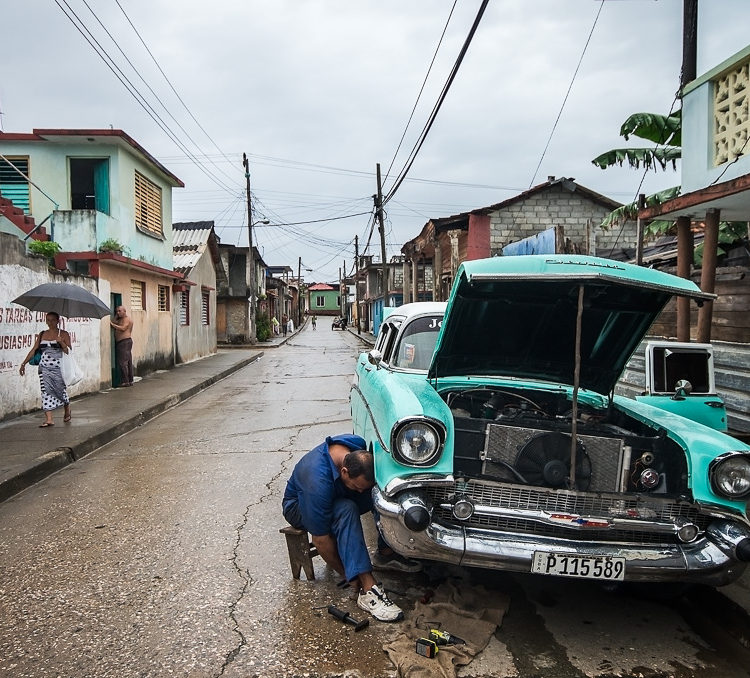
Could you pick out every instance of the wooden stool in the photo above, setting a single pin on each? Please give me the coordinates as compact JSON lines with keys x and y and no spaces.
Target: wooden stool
{"x":301,"y":551}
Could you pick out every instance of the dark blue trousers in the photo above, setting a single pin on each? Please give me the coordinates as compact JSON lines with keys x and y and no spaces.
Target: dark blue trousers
{"x":347,"y":531}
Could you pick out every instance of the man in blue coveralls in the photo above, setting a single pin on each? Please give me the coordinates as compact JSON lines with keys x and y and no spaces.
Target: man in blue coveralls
{"x":326,"y":494}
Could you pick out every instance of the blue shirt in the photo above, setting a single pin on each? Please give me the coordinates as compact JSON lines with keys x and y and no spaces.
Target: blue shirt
{"x":316,"y":483}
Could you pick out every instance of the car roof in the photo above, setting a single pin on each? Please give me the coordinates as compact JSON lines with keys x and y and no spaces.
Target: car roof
{"x":415,"y":308}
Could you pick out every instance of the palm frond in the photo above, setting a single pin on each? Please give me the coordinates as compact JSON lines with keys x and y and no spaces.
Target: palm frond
{"x":635,"y":157}
{"x":661,"y":129}
{"x":629,"y":212}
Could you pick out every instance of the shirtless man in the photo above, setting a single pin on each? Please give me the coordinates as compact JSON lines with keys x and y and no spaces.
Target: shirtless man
{"x":123,"y":345}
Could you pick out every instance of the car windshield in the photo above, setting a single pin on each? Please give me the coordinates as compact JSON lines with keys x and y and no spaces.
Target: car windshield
{"x":417,"y":343}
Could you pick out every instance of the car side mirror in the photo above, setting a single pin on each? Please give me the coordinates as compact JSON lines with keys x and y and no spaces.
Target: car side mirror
{"x":375,"y":357}
{"x":681,"y":389}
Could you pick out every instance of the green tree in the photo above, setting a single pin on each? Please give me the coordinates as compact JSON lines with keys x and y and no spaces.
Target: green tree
{"x":263,"y":328}
{"x":666,"y":132}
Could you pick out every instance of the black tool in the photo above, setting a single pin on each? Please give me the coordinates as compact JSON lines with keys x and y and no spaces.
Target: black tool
{"x":347,"y":618}
{"x":445,"y":638}
{"x":426,"y":647}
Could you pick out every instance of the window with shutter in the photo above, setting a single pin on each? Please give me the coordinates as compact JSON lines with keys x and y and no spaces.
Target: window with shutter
{"x":185,"y":308}
{"x":204,"y":308}
{"x":163,"y":299}
{"x":12,"y":185}
{"x":148,"y":206}
{"x":137,"y":295}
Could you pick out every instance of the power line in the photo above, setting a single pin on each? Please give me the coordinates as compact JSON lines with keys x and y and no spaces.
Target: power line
{"x":185,"y":106}
{"x":143,"y":80}
{"x":433,"y":115}
{"x":421,"y":89}
{"x":102,"y":53}
{"x":316,"y":221}
{"x":570,"y":87}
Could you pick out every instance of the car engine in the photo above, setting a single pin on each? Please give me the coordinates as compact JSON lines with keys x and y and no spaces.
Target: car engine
{"x":522,"y":437}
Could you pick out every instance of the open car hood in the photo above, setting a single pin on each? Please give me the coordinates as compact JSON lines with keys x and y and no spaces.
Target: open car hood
{"x":516,"y":317}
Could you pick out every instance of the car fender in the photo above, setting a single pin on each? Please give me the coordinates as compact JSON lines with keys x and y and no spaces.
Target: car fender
{"x":704,"y":443}
{"x":381,"y":400}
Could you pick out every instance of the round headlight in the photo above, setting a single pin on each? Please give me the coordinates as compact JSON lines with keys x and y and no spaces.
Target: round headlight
{"x":417,"y":442}
{"x":730,"y":477}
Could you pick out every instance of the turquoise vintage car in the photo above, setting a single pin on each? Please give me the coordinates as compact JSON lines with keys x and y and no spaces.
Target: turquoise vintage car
{"x":499,"y":441}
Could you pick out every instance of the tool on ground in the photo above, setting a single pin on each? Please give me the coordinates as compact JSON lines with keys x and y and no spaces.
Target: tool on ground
{"x":426,"y":647}
{"x":347,"y":618}
{"x":445,"y":638}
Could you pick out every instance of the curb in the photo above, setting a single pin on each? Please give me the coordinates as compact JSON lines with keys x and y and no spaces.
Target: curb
{"x":54,"y":460}
{"x":46,"y":465}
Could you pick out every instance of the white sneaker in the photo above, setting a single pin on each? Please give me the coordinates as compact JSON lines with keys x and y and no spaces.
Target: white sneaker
{"x":379,"y":605}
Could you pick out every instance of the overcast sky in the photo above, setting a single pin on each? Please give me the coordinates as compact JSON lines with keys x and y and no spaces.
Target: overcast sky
{"x":317,"y":92}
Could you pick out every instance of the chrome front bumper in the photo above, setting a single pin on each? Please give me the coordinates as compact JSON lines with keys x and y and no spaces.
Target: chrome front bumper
{"x":711,"y":559}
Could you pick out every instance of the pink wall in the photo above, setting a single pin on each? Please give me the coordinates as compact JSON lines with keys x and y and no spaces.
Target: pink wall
{"x":478,"y":238}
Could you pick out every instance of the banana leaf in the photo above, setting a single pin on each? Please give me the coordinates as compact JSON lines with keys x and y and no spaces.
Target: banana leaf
{"x":661,"y":129}
{"x":629,"y":212}
{"x":635,"y":157}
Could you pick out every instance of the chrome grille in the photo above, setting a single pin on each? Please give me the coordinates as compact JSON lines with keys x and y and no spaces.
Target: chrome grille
{"x":508,"y":496}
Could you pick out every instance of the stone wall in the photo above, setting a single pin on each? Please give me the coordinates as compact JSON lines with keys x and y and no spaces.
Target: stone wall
{"x":578,"y":216}
{"x":20,"y":272}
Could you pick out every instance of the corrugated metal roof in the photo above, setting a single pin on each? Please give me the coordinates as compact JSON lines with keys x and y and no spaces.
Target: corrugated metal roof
{"x":189,"y":242}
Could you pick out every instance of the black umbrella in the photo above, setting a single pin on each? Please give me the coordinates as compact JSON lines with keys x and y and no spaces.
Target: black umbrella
{"x":64,"y":299}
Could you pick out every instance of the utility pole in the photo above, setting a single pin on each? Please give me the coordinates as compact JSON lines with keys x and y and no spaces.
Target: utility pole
{"x":381,"y":229}
{"x":344,"y":295}
{"x":639,"y":226}
{"x":685,"y":244}
{"x":251,"y":318}
{"x":299,"y":292}
{"x":356,"y":281}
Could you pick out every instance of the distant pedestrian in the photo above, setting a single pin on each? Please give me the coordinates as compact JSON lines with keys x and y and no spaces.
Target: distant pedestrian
{"x":314,"y":322}
{"x":275,"y":325}
{"x":123,"y":345}
{"x":290,"y":326}
{"x":284,"y":324}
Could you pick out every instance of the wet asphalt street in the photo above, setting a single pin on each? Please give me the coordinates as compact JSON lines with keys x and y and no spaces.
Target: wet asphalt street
{"x":159,"y":555}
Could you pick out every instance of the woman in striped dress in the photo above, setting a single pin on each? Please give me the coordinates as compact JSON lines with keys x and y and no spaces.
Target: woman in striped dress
{"x":53,"y":342}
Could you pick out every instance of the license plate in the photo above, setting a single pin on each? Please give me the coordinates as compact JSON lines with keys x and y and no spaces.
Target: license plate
{"x":571,"y":565}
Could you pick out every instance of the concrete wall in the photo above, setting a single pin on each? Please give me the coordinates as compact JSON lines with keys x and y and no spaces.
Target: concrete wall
{"x":153,"y":340}
{"x":197,"y":340}
{"x":478,"y":237}
{"x":578,"y":216}
{"x":235,"y":312}
{"x":48,"y":167}
{"x":19,"y":327}
{"x":698,"y":127}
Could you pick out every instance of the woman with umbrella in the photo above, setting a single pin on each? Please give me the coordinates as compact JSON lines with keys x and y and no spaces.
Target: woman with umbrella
{"x":54,"y":342}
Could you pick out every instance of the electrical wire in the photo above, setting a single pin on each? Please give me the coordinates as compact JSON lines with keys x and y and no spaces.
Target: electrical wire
{"x":436,"y":108}
{"x":184,"y":105}
{"x":421,"y":89}
{"x":567,"y":94}
{"x":143,"y":80}
{"x":130,"y":87}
